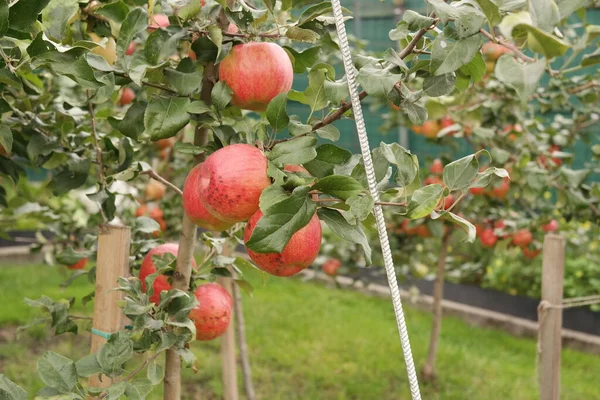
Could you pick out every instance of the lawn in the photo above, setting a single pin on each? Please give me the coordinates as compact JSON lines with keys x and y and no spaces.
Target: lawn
{"x":308,"y":341}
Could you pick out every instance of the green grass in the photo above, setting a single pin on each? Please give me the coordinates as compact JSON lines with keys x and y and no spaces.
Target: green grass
{"x":312,"y":342}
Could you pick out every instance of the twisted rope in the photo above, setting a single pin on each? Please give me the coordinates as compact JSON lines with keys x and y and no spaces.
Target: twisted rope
{"x":370,"y":171}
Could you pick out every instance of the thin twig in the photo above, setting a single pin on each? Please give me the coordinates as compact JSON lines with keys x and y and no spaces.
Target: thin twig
{"x":380,"y":203}
{"x":150,"y":84}
{"x":511,"y":46}
{"x":96,"y":142}
{"x":154,"y":175}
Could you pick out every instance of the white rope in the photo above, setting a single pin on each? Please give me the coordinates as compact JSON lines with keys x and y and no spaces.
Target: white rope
{"x":383,"y":237}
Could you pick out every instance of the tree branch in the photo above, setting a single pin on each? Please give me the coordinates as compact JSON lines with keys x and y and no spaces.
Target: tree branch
{"x":154,"y":175}
{"x":149,"y":84}
{"x":511,"y":46}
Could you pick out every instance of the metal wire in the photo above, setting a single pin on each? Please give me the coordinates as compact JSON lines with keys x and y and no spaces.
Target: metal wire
{"x":370,"y":171}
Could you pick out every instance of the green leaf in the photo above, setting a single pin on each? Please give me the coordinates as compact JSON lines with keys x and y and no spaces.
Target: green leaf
{"x":376,"y":80}
{"x":591,"y":59}
{"x":272,"y":195}
{"x":116,"y":11}
{"x":352,"y":233}
{"x":321,"y":89}
{"x":24,"y":13}
{"x":574,"y":177}
{"x":544,"y":14}
{"x":424,"y":200}
{"x":460,"y":174}
{"x":198,"y":107}
{"x":57,"y":371}
{"x":416,"y":21}
{"x":221,"y":95}
{"x":132,"y":125}
{"x":69,"y":256}
{"x":115,"y":391}
{"x":302,"y":60}
{"x":523,"y":77}
{"x":475,"y":69}
{"x":491,"y":11}
{"x":88,"y":366}
{"x":6,"y":138}
{"x":468,"y":227}
{"x":400,"y":32}
{"x":135,"y":22}
{"x":165,"y":117}
{"x":360,"y":207}
{"x":468,"y":19}
{"x":519,"y":26}
{"x":188,"y":148}
{"x":138,"y":389}
{"x":115,"y":352}
{"x":297,"y":151}
{"x":155,"y":372}
{"x":340,"y":186}
{"x":11,"y":391}
{"x":407,"y":163}
{"x":440,"y":85}
{"x":329,"y":132}
{"x":280,"y":221}
{"x":567,"y":7}
{"x":302,"y":35}
{"x":185,"y":83}
{"x":146,"y":225}
{"x":277,"y":114}
{"x":56,"y":17}
{"x":415,"y":112}
{"x":71,"y":65}
{"x":4,"y":11}
{"x":448,"y":56}
{"x":328,"y":156}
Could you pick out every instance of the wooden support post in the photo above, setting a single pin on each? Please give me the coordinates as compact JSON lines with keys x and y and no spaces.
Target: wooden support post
{"x":550,"y":323}
{"x":228,"y":355}
{"x":112,"y":262}
{"x":241,"y":340}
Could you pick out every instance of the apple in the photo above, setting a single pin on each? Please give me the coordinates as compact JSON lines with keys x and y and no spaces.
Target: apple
{"x":488,"y":238}
{"x":298,"y":254}
{"x":531,"y":253}
{"x":158,"y":21}
{"x":522,"y":238}
{"x":437,"y":168}
{"x":108,"y":52}
{"x":446,"y":122}
{"x":430,"y":129}
{"x":193,"y":206}
{"x":79,"y":264}
{"x":493,"y":51}
{"x":479,"y":229}
{"x":127,"y":96}
{"x":448,"y":201}
{"x":161,"y":283}
{"x":232,"y":181}
{"x":551,"y":226}
{"x":141,"y":210}
{"x":167,"y":143}
{"x":156,"y":213}
{"x":163,"y":227}
{"x":296,"y":168}
{"x":501,"y":191}
{"x":431,"y":180}
{"x":423,"y":231}
{"x":476,"y":191}
{"x":256,"y":73}
{"x":130,"y":49}
{"x":331,"y":266}
{"x":212,"y":315}
{"x":155,"y":190}
{"x":232,"y":28}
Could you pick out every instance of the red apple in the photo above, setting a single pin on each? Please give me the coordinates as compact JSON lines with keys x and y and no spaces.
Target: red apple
{"x":193,"y":206}
{"x":256,"y":72}
{"x":448,"y":201}
{"x":331,"y":266}
{"x":431,"y":180}
{"x":522,"y":238}
{"x":422,"y":231}
{"x":430,"y":129}
{"x":437,"y":168}
{"x":158,"y":21}
{"x":295,"y":168}
{"x":551,"y":226}
{"x":141,"y":210}
{"x":298,"y":254}
{"x":445,"y":122}
{"x":156,"y":213}
{"x":231,"y":182}
{"x":476,"y":191}
{"x":488,"y":238}
{"x":127,"y":96}
{"x":161,"y":283}
{"x":501,"y":191}
{"x":531,"y":253}
{"x":493,"y":51}
{"x":167,"y":143}
{"x":79,"y":264}
{"x":130,"y":49}
{"x":212,"y":315}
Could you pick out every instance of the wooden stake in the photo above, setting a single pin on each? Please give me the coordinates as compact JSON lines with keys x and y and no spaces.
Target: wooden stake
{"x":241,"y":340}
{"x":112,"y":262}
{"x":228,"y":356}
{"x":550,"y":323}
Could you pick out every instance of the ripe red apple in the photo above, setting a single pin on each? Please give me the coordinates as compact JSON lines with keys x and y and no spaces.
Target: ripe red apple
{"x":437,"y":168}
{"x":476,"y":191}
{"x":445,"y":122}
{"x":493,"y":51}
{"x":127,"y":96}
{"x":448,"y":201}
{"x":193,"y":206}
{"x":331,"y":266}
{"x":163,"y":227}
{"x":156,"y":213}
{"x":522,"y":238}
{"x":488,"y":238}
{"x":161,"y":283}
{"x":232,"y":181}
{"x":431,"y":180}
{"x":551,"y":226}
{"x":256,"y":72}
{"x":213,"y":313}
{"x":167,"y":143}
{"x":130,"y":49}
{"x":422,"y":231}
{"x":79,"y":264}
{"x":298,"y":254}
{"x":501,"y":191}
{"x":158,"y":21}
{"x":531,"y":253}
{"x":155,"y":190}
{"x":430,"y":129}
{"x":141,"y":210}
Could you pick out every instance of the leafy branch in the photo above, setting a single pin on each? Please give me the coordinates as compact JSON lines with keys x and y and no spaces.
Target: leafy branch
{"x":154,"y":175}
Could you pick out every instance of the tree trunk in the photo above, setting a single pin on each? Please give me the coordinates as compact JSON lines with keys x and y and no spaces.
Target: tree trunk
{"x":241,"y":338}
{"x":428,"y":370}
{"x":187,"y":239}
